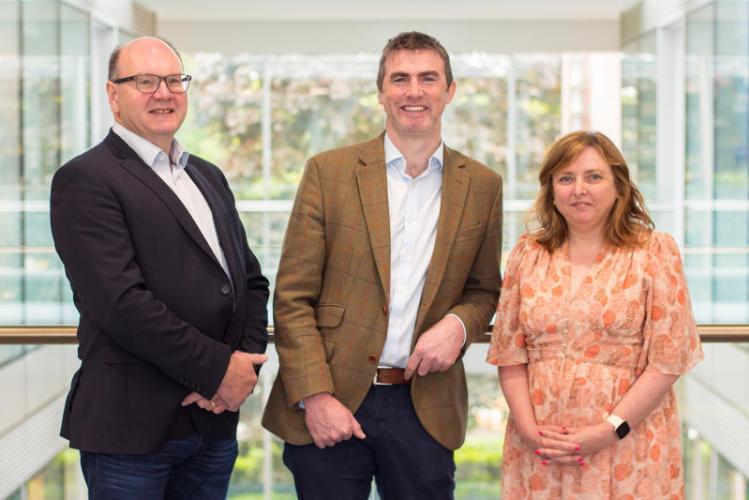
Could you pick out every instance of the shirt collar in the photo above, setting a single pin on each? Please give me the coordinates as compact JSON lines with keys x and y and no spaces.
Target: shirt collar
{"x":395,"y":158}
{"x":150,"y":152}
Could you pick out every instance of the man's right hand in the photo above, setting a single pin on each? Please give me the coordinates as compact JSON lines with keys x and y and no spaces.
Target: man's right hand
{"x":328,"y":421}
{"x":240,"y":378}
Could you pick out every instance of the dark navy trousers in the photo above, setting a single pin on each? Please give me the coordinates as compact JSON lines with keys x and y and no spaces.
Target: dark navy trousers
{"x":405,"y":462}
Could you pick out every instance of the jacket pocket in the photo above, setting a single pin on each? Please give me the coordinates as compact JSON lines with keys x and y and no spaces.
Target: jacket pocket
{"x":329,"y":315}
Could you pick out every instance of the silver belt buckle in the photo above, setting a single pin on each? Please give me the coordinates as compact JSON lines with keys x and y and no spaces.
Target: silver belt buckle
{"x":374,"y":381}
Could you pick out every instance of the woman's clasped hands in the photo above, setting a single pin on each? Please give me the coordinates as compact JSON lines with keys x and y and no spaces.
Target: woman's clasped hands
{"x":562,"y":445}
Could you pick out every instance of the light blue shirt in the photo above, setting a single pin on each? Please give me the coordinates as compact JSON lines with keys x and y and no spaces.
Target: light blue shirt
{"x":171,"y":170}
{"x":414,"y":205}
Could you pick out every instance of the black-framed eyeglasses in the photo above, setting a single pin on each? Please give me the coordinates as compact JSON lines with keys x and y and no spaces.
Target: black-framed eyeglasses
{"x":149,"y":84}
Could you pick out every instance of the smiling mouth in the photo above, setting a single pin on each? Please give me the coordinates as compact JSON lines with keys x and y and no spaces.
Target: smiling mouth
{"x":413,"y":108}
{"x":161,"y":111}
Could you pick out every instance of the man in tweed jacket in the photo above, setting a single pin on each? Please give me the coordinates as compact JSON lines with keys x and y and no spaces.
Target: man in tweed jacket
{"x":389,"y":269}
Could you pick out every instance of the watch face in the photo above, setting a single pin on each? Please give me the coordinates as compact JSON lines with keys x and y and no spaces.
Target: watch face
{"x":622,"y":430}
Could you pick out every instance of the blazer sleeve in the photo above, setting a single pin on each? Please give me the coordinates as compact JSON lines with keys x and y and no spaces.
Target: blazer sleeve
{"x":92,"y":238}
{"x":303,"y":367}
{"x":481,"y":291}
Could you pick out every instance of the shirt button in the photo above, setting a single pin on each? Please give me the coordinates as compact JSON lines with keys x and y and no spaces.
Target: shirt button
{"x":385,"y":310}
{"x":225,"y":289}
{"x":372,"y":358}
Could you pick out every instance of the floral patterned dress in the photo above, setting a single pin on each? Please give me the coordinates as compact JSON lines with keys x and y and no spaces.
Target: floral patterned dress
{"x":631,"y":313}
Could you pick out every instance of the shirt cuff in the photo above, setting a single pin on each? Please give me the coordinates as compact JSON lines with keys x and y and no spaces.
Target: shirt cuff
{"x":463,"y":325}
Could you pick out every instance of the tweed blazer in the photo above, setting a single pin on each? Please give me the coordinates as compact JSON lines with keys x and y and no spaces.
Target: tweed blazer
{"x":332,"y":288}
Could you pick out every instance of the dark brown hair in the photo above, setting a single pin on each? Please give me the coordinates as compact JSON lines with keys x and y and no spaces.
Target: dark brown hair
{"x":413,"y":40}
{"x":628,"y":223}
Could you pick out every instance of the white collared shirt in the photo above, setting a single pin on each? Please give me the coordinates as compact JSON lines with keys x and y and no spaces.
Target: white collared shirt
{"x":171,"y":170}
{"x":414,"y":205}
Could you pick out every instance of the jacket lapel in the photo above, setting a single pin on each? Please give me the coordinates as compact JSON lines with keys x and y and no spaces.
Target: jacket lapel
{"x":371,"y":177}
{"x":131,"y":162}
{"x":455,"y":184}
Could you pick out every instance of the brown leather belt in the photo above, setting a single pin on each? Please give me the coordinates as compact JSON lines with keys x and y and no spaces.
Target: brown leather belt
{"x":391,"y":376}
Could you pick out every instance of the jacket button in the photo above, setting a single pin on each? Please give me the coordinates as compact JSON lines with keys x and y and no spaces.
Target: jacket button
{"x":225,"y":289}
{"x":372,"y":358}
{"x":385,"y":310}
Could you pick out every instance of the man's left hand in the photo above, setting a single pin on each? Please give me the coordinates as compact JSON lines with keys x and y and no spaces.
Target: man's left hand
{"x":215,"y":405}
{"x":437,"y":348}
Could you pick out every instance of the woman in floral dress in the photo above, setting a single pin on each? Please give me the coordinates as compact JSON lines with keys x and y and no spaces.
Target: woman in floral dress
{"x":594,"y":325}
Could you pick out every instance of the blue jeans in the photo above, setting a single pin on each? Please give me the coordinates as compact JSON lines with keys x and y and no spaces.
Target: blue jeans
{"x":193,"y":467}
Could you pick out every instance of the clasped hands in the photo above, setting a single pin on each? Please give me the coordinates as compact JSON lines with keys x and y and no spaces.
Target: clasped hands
{"x":329,"y":422}
{"x":566,"y":445}
{"x":238,"y":383}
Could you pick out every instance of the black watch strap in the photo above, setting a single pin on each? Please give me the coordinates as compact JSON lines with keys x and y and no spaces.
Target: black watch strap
{"x":621,"y":427}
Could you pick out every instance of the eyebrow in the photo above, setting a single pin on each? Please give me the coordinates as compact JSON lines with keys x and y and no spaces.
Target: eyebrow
{"x":589,"y":171}
{"x":399,"y":74}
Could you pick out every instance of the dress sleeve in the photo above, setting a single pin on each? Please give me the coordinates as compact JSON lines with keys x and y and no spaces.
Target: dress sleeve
{"x":671,"y":343}
{"x":507,"y":345}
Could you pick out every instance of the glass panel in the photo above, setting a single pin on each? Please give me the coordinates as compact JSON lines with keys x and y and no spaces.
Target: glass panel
{"x":41,"y":96}
{"x":224,"y":121}
{"x":731,"y":94}
{"x":717,"y":161}
{"x":41,"y":149}
{"x":319,"y":104}
{"x":646,"y":136}
{"x":639,"y":73}
{"x":11,"y":260}
{"x":699,"y":117}
{"x":538,"y":116}
{"x":475,"y":122}
{"x":75,"y":77}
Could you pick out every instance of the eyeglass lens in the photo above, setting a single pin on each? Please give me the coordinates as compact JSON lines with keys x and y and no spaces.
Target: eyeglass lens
{"x":150,"y":83}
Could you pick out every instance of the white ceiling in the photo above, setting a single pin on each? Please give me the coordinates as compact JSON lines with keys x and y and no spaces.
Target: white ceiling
{"x":328,"y":10}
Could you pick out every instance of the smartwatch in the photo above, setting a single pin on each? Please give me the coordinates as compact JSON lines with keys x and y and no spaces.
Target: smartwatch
{"x":621,"y":427}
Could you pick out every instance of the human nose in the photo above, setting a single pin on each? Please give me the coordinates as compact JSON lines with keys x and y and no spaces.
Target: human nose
{"x":162,"y":89}
{"x":414,"y":88}
{"x":580,"y":187}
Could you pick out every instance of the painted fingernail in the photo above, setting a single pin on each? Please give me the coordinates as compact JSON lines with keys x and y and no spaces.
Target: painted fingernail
{"x":582,"y":464}
{"x":543,"y":462}
{"x":537,"y":452}
{"x":540,"y":433}
{"x":577,"y":448}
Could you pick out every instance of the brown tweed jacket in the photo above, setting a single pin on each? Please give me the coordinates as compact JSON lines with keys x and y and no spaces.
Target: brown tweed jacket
{"x":331,"y":299}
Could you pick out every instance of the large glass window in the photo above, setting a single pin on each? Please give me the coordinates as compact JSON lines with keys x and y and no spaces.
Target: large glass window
{"x":717,"y":161}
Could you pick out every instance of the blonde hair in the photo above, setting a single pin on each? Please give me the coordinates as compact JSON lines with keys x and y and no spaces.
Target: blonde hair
{"x":628,"y":224}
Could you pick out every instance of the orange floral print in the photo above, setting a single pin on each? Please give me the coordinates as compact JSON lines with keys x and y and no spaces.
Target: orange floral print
{"x":583,"y":353}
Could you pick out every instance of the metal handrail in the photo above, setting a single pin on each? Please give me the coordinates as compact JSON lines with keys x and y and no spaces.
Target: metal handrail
{"x":67,"y":334}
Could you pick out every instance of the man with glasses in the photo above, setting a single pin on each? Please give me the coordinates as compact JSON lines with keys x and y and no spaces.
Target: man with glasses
{"x":172,"y":301}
